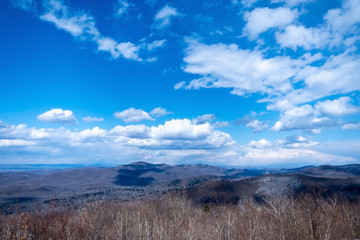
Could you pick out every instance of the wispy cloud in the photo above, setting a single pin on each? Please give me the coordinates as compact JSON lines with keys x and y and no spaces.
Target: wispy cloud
{"x":121,"y":8}
{"x":257,"y":126}
{"x":92,"y":119}
{"x":164,"y":16}
{"x":82,"y":26}
{"x":156,"y":44}
{"x":206,"y":118}
{"x":160,"y":112}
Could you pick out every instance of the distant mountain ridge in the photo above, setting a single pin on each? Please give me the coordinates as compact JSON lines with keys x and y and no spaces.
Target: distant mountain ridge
{"x":141,"y":180}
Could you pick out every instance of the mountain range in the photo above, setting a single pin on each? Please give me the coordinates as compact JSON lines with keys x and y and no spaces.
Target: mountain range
{"x":202,"y":183}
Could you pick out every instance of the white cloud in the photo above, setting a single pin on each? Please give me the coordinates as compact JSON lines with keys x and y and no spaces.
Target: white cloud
{"x":76,"y":24}
{"x":159,"y":112}
{"x":174,"y":134}
{"x":126,"y":49}
{"x":181,"y":129}
{"x":294,"y":151}
{"x":175,"y":141}
{"x":261,"y":20}
{"x":227,"y":66}
{"x":92,"y":119}
{"x":58,"y":116}
{"x":351,"y":126}
{"x":131,"y":131}
{"x":182,"y":133}
{"x":297,"y":141}
{"x":263,"y":143}
{"x":248,"y":72}
{"x":338,"y":75}
{"x":163,"y":17}
{"x":133,"y":115}
{"x":156,"y":44}
{"x":338,"y":107}
{"x":206,"y":118}
{"x":179,"y":85}
{"x":303,"y":118}
{"x":210,"y":118}
{"x":257,"y":126}
{"x":340,"y":26}
{"x":122,"y":143}
{"x":299,"y":36}
{"x":290,"y":157}
{"x":343,"y":21}
{"x":16,"y":143}
{"x":82,"y":26}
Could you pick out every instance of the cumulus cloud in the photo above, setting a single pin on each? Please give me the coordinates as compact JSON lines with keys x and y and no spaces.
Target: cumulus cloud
{"x":228,"y":66}
{"x":324,"y":80}
{"x":133,"y":115}
{"x":163,"y":18}
{"x":175,"y":141}
{"x":248,"y":72}
{"x":257,"y":126}
{"x":58,"y":116}
{"x":297,"y":141}
{"x":118,"y":144}
{"x":175,"y":134}
{"x":303,"y":118}
{"x":340,"y":27}
{"x":343,"y":22}
{"x":93,"y":135}
{"x":160,"y":112}
{"x":299,"y":36}
{"x":127,"y":50}
{"x":131,"y":131}
{"x":293,"y":151}
{"x":92,"y":119}
{"x":338,"y":107}
{"x":261,"y":20}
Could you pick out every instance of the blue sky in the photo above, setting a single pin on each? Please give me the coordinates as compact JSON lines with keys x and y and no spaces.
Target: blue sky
{"x":245,"y":83}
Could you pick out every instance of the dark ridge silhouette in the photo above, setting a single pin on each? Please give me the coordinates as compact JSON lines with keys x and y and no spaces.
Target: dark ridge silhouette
{"x":131,"y":175}
{"x":262,"y":187}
